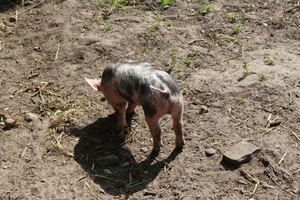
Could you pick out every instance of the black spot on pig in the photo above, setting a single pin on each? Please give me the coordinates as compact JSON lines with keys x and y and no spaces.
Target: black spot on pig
{"x":108,"y":73}
{"x":121,"y":90}
{"x":149,"y":108}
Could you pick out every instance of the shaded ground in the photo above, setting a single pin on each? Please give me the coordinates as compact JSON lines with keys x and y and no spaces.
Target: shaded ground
{"x":48,"y":46}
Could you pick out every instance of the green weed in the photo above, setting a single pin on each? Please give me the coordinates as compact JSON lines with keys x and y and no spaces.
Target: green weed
{"x":241,"y":101}
{"x":261,"y":78}
{"x":246,"y":69}
{"x":107,"y":27}
{"x":206,"y":8}
{"x":188,"y":61}
{"x":237,"y":29}
{"x":269,"y":61}
{"x":232,"y":17}
{"x":169,"y":23}
{"x":165,"y":2}
{"x":173,"y":56}
{"x":100,"y":3}
{"x":115,"y":4}
{"x":158,"y":19}
{"x":145,"y":48}
{"x":153,"y":28}
{"x":177,"y":69}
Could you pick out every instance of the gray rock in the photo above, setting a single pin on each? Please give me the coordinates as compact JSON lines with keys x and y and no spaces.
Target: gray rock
{"x":107,"y":161}
{"x":31,"y":117}
{"x":240,"y":153}
{"x":9,"y":123}
{"x":210,"y":152}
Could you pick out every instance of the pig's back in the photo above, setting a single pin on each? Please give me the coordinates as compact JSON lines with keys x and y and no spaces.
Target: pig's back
{"x":136,"y":77}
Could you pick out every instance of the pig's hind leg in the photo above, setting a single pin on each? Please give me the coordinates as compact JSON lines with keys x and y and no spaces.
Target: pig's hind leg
{"x":177,"y":127}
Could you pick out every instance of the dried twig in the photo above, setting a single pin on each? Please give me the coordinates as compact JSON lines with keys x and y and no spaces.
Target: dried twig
{"x":291,"y":132}
{"x":56,"y":55}
{"x":24,"y":152}
{"x":88,"y":186}
{"x":292,"y":8}
{"x":195,"y":40}
{"x":282,"y":158}
{"x":31,"y":7}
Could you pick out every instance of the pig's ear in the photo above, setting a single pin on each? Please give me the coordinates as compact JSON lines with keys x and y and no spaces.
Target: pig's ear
{"x":94,"y":83}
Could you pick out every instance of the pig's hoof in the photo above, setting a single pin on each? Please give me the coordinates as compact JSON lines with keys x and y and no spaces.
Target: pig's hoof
{"x":178,"y":149}
{"x":154,"y":153}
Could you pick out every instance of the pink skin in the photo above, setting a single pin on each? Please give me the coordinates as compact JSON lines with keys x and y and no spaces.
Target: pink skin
{"x":165,"y":104}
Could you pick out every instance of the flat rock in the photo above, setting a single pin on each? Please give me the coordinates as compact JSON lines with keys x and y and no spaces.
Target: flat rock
{"x":240,"y":153}
{"x":107,"y":161}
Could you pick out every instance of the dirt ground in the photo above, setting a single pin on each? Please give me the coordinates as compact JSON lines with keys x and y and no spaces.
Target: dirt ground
{"x":235,"y":83}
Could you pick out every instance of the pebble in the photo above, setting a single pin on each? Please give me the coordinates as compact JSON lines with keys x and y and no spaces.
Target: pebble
{"x":209,"y":152}
{"x":276,"y":123}
{"x":203,"y":109}
{"x":125,"y":164}
{"x":107,"y":171}
{"x":107,"y":161}
{"x":31,"y":117}
{"x":9,"y":123}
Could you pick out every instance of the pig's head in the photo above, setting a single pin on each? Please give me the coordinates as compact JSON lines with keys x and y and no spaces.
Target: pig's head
{"x":94,"y":83}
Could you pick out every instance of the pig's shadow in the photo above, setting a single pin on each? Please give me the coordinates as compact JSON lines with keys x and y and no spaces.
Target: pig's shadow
{"x":127,"y":177}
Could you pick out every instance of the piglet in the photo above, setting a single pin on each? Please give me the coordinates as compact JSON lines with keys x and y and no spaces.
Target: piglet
{"x":138,"y":83}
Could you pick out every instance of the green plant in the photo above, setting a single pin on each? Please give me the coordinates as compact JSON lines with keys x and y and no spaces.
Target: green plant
{"x":169,"y":23}
{"x":188,"y":61}
{"x":165,"y":2}
{"x":177,"y":69}
{"x":221,"y":42}
{"x":142,"y":14}
{"x":237,"y":29}
{"x":261,"y":77}
{"x":206,"y":8}
{"x":145,"y":48}
{"x":115,"y":4}
{"x":173,"y":55}
{"x":107,"y":27}
{"x":241,"y":101}
{"x":269,"y":61}
{"x":100,"y":3}
{"x":246,"y":69}
{"x":2,"y":45}
{"x":153,"y":28}
{"x":232,"y":17}
{"x":158,"y":19}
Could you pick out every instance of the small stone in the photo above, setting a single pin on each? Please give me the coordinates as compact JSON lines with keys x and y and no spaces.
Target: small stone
{"x":276,"y":123}
{"x":5,"y":167}
{"x":9,"y":123}
{"x":125,"y":164}
{"x":209,"y":152}
{"x":107,"y":161}
{"x":203,"y":109}
{"x":31,"y":117}
{"x":144,"y":149}
{"x":240,"y":153}
{"x":107,"y":171}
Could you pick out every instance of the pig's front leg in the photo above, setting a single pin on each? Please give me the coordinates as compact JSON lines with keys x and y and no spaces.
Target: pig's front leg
{"x":121,"y":115}
{"x":156,"y":134}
